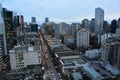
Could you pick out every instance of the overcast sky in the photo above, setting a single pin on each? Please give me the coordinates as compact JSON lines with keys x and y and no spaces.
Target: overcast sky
{"x":62,"y":10}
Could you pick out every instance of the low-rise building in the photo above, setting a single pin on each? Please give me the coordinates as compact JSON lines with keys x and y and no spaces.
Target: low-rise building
{"x":90,"y":71}
{"x":53,"y":41}
{"x":67,"y":38}
{"x":76,"y":76}
{"x":69,"y":60}
{"x":93,"y":54}
{"x":22,"y":56}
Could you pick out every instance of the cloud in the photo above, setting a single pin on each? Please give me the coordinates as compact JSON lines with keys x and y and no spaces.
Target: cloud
{"x":62,"y":10}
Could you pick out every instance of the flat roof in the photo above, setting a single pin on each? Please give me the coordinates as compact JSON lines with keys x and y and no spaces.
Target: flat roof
{"x":65,"y":53}
{"x":59,"y":47}
{"x":112,"y":69}
{"x":25,"y":48}
{"x":77,"y":76}
{"x":90,"y":71}
{"x":72,"y":62}
{"x":69,"y":57}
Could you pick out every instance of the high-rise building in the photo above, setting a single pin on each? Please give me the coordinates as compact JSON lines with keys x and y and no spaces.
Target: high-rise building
{"x":34,"y":27}
{"x":20,"y":25}
{"x":85,"y":23}
{"x":3,"y":48}
{"x":83,"y":38}
{"x":117,"y":32}
{"x":119,"y":23}
{"x":110,"y":51}
{"x":33,"y":19}
{"x":99,"y":19}
{"x":74,"y":27}
{"x":8,"y":20}
{"x":15,"y":23}
{"x":92,"y":25}
{"x":105,"y":51}
{"x":113,"y":26}
{"x":105,"y":27}
{"x":63,"y":28}
{"x":21,"y":20}
{"x":46,"y":19}
{"x":55,"y":29}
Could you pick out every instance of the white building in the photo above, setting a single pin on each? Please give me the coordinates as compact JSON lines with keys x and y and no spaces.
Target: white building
{"x":83,"y":38}
{"x":22,"y":56}
{"x":99,"y":19}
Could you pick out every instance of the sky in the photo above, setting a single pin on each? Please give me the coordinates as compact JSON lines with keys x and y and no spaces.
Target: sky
{"x":62,"y":10}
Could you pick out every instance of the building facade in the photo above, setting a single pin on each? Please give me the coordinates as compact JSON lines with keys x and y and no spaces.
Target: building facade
{"x":117,"y":32}
{"x":99,"y":19}
{"x":85,"y":23}
{"x":19,"y":24}
{"x":8,"y":20}
{"x":46,"y":19}
{"x":83,"y":38}
{"x":1,"y":51}
{"x":33,"y":19}
{"x":92,"y":25}
{"x":63,"y":28}
{"x":119,"y":23}
{"x":3,"y":48}
{"x":105,"y":51}
{"x":74,"y":28}
{"x":111,"y":51}
{"x":34,"y":27}
{"x":23,"y":56}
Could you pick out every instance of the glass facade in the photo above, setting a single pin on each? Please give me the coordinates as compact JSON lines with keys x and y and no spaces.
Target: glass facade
{"x":8,"y":20}
{"x":3,"y":50}
{"x":99,"y":19}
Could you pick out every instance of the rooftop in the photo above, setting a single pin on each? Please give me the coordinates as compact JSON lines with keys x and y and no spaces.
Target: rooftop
{"x":77,"y":76}
{"x":65,"y":53}
{"x":60,"y":47}
{"x":73,"y":62}
{"x":112,"y":69}
{"x":25,"y":48}
{"x":90,"y":71}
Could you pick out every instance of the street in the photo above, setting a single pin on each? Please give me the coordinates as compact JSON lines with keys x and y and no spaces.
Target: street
{"x":51,"y":72}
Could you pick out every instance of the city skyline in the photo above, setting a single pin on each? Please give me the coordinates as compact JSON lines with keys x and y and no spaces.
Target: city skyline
{"x":62,"y":11}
